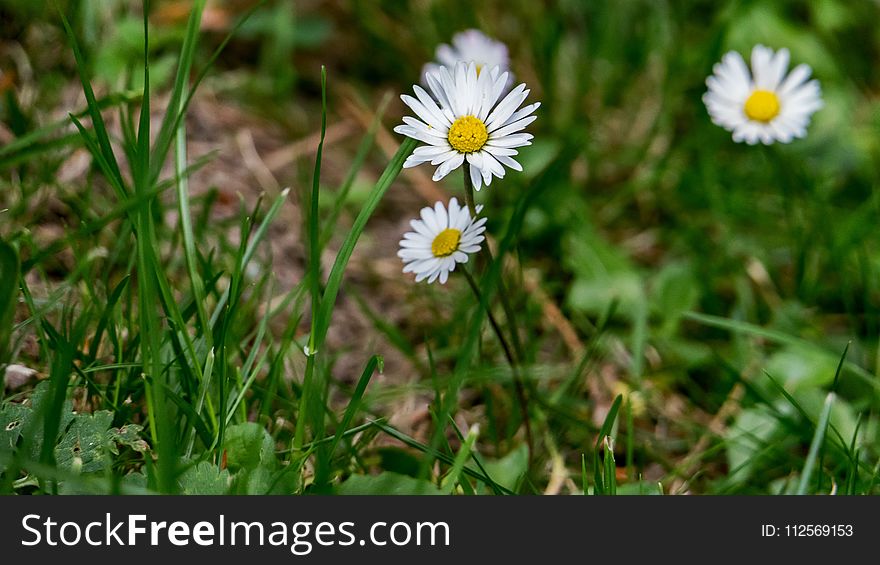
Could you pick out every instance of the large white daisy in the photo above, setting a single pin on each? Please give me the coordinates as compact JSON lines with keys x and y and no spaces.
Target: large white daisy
{"x":762,"y":105}
{"x":464,"y":120}
{"x":442,"y":239}
{"x":471,"y":45}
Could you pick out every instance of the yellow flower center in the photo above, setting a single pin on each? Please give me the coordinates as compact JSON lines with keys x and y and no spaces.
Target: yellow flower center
{"x":446,"y":242}
{"x":467,"y":134}
{"x":762,"y":106}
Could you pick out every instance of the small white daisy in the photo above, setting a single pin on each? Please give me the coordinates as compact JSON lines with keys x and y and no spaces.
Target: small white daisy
{"x":464,"y":120}
{"x":762,"y":105}
{"x":471,"y":45}
{"x":443,"y":238}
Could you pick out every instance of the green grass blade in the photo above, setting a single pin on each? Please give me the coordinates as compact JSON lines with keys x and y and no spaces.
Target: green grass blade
{"x":438,"y":455}
{"x":107,"y":167}
{"x":112,"y":300}
{"x":314,"y":241}
{"x":464,"y":453}
{"x":172,"y":121}
{"x":203,"y":394}
{"x":776,"y":336}
{"x":321,"y":318}
{"x":354,"y":403}
{"x":357,"y":163}
{"x":602,"y":486}
{"x":9,"y":272}
{"x":20,"y":146}
{"x":584,"y":482}
{"x":334,"y":280}
{"x":818,"y":440}
{"x":475,"y":457}
{"x":610,"y":465}
{"x":197,"y":285}
{"x":162,"y":144}
{"x":103,"y":139}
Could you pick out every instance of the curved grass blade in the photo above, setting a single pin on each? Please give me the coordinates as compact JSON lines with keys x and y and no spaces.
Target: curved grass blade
{"x":373,"y":364}
{"x":9,"y":271}
{"x":818,"y":440}
{"x":334,"y":280}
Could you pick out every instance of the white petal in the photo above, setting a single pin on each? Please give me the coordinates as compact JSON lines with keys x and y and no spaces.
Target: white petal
{"x":514,"y":140}
{"x":777,"y":68}
{"x":509,"y":162}
{"x":492,"y":165}
{"x":512,"y":127}
{"x":431,"y":151}
{"x":426,"y":115}
{"x":430,"y":218}
{"x":430,"y":130}
{"x":442,"y":216}
{"x":438,"y":117}
{"x":499,"y":150}
{"x":447,"y":155}
{"x":413,"y":254}
{"x":734,"y":71}
{"x":523,"y":112}
{"x":761,"y":66}
{"x":507,"y":107}
{"x":449,"y":165}
{"x":476,"y":177}
{"x":795,"y":78}
{"x":414,"y":133}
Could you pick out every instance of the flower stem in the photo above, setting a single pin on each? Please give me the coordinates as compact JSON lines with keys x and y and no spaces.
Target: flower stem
{"x":514,"y":360}
{"x":469,"y":190}
{"x":487,"y":257}
{"x":514,"y":367}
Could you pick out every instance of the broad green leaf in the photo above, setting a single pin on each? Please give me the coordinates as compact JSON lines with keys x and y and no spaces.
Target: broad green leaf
{"x":675,"y":291}
{"x":510,"y":469}
{"x":750,"y":432}
{"x":34,"y":426}
{"x":253,"y":481}
{"x":85,"y":447}
{"x":12,"y":420}
{"x":603,"y":274}
{"x":249,"y":446}
{"x":128,"y":435}
{"x":802,"y":367}
{"x":204,"y":478}
{"x":386,"y":483}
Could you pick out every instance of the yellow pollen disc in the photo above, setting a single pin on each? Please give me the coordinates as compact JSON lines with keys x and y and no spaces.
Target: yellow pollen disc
{"x":762,"y":106}
{"x":446,"y":242}
{"x":467,"y":134}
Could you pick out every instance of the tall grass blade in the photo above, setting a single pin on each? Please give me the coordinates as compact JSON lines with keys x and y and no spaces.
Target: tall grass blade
{"x":818,"y":439}
{"x":9,"y":271}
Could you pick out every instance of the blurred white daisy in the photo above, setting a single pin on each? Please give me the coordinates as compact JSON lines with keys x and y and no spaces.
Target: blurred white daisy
{"x":468,"y":46}
{"x":464,"y":120}
{"x":765,"y":104}
{"x":442,"y":239}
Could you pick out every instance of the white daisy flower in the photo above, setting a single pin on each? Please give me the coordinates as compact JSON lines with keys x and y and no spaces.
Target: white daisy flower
{"x":443,"y":238}
{"x":762,"y":105}
{"x":471,"y":46}
{"x":464,"y":120}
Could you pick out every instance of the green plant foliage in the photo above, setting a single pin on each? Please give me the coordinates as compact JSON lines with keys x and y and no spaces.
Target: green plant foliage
{"x":387,"y":483}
